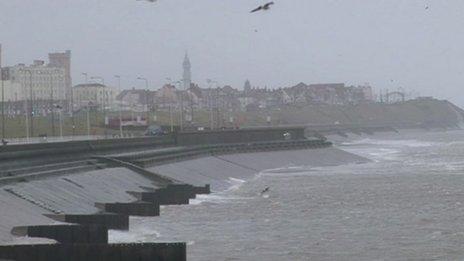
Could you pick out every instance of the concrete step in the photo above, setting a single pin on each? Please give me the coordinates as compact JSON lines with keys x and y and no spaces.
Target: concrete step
{"x":33,"y":201}
{"x":46,"y":167}
{"x":174,"y":251}
{"x":65,"y":234}
{"x":140,"y":208}
{"x":173,"y":194}
{"x":51,"y":173}
{"x":108,"y":220}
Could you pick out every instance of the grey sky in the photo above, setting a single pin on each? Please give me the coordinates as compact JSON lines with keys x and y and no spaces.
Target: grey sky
{"x":387,"y":43}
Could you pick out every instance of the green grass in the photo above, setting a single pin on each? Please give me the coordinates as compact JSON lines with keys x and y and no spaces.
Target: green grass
{"x":15,"y":127}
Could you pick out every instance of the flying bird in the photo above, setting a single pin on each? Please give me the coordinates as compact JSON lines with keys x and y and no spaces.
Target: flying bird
{"x":264,"y":7}
{"x":265,"y":190}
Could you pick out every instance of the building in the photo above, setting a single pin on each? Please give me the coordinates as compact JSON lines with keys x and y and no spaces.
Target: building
{"x":167,"y":97}
{"x":137,"y":99}
{"x":11,"y":91}
{"x":63,"y":60}
{"x":13,"y":104}
{"x":37,"y":81}
{"x":94,"y":95}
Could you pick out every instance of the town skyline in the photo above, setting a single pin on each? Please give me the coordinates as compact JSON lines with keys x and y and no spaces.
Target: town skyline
{"x":353,"y":43}
{"x":134,"y":80}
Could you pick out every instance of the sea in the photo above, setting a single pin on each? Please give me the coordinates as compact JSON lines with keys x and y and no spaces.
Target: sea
{"x":405,"y":203}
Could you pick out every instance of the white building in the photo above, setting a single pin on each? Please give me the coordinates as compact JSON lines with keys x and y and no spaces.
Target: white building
{"x":11,"y":91}
{"x":37,"y":82}
{"x":94,"y":95}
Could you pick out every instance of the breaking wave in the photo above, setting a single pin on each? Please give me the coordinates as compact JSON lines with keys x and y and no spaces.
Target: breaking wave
{"x":394,"y":143}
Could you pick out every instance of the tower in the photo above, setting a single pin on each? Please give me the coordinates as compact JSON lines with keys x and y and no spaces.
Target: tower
{"x":187,"y":76}
{"x":247,"y":86}
{"x":63,"y":60}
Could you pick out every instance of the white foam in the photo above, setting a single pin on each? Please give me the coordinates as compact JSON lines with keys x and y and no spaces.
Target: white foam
{"x":289,"y":169}
{"x":140,"y":234}
{"x":216,"y":198}
{"x":235,"y":183}
{"x":394,"y":143}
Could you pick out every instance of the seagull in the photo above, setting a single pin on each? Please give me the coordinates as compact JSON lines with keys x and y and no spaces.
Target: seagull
{"x":263,"y":7}
{"x":265,"y":190}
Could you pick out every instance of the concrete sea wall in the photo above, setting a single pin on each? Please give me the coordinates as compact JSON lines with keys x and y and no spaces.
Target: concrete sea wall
{"x":74,"y":210}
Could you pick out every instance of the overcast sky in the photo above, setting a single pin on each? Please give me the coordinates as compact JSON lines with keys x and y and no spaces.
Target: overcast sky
{"x":387,"y":43}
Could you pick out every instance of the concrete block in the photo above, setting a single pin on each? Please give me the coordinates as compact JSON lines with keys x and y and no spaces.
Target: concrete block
{"x":95,"y":252}
{"x":66,"y":234}
{"x":173,"y":194}
{"x":108,"y":220}
{"x":203,"y":190}
{"x":140,"y":208}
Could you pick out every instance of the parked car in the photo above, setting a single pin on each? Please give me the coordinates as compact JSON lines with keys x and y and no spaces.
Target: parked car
{"x":154,"y":130}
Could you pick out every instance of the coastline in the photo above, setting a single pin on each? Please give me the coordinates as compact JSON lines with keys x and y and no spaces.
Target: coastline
{"x":394,"y":207}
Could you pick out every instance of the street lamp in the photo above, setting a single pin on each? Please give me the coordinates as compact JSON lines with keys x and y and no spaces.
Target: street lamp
{"x":171,"y":121}
{"x":146,"y":96}
{"x":103,"y":98}
{"x":181,"y":107}
{"x":3,"y":96}
{"x":30,"y":109}
{"x":60,"y":109}
{"x":120,"y":106}
{"x":211,"y":114}
{"x":51,"y":105}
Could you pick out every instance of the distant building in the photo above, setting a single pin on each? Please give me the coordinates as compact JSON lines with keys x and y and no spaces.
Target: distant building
{"x":167,"y":97}
{"x":94,"y":95}
{"x":14,"y":105}
{"x":38,"y":81}
{"x":63,"y":60}
{"x":137,"y":99}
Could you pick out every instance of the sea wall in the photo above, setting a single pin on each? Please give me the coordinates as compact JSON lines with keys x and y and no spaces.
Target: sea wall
{"x":220,"y":170}
{"x":44,"y":203}
{"x":96,"y":252}
{"x":239,"y":135}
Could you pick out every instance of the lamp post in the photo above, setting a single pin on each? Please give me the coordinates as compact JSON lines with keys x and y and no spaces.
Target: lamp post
{"x":30,"y":110}
{"x":61,"y":121}
{"x":88,"y":120}
{"x":52,"y":111}
{"x":3,"y":96}
{"x":26,"y":108}
{"x":171,"y":121}
{"x":211,"y":113}
{"x":146,"y":96}
{"x":120,"y":106}
{"x":103,"y":99}
{"x":181,"y":107}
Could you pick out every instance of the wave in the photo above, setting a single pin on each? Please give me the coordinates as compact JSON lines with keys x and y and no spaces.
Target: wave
{"x":216,"y":198}
{"x":142,"y":234}
{"x":287,"y":169}
{"x":394,"y":143}
{"x":235,"y":183}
